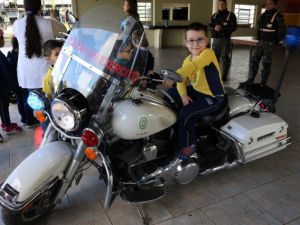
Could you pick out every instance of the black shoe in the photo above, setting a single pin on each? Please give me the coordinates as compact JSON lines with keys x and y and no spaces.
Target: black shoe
{"x":246,"y":83}
{"x":33,"y":124}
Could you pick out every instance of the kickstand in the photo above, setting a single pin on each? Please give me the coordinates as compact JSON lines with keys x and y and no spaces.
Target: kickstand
{"x":143,"y":218}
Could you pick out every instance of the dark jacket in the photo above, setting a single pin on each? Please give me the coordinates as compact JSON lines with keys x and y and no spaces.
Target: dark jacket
{"x":228,"y":22}
{"x":271,"y":26}
{"x":5,"y":75}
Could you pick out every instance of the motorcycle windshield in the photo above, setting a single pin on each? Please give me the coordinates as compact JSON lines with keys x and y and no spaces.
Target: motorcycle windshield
{"x":97,"y":53}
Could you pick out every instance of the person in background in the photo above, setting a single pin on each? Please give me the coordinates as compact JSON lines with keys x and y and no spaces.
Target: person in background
{"x":12,"y":57}
{"x":221,"y":26}
{"x":206,"y":93}
{"x":271,"y":31}
{"x":5,"y":87}
{"x":31,"y":31}
{"x":51,"y":50}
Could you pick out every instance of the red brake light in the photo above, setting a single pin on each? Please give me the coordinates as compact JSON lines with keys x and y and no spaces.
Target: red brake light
{"x":262,"y":105}
{"x":90,"y":138}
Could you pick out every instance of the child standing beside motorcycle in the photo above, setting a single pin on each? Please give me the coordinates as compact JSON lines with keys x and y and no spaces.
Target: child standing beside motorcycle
{"x":51,"y":50}
{"x":206,"y":93}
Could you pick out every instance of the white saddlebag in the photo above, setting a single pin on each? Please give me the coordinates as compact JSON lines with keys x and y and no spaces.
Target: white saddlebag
{"x":258,"y":136}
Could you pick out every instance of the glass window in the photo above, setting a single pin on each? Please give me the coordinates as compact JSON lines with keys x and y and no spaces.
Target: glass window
{"x":176,"y":11}
{"x":145,"y":11}
{"x":181,"y":13}
{"x":245,"y":15}
{"x":166,"y":14}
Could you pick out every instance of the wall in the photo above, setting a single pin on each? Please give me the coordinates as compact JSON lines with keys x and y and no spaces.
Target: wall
{"x":292,"y":12}
{"x":81,"y":6}
{"x":199,"y":11}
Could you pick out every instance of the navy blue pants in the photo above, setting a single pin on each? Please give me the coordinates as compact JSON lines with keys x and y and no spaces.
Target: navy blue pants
{"x":29,"y":117}
{"x":4,"y":110}
{"x":201,"y":106}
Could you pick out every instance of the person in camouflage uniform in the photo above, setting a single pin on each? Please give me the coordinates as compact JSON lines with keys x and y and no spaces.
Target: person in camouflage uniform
{"x":271,"y":31}
{"x":221,"y":26}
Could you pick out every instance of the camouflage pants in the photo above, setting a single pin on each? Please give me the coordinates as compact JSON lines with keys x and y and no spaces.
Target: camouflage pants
{"x":263,"y":51}
{"x":221,"y":47}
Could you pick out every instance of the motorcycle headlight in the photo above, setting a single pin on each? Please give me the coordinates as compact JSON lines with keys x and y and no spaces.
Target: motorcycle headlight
{"x":70,"y":110}
{"x":65,"y":117}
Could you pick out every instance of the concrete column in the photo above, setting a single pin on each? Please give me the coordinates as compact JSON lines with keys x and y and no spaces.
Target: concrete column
{"x":158,"y":38}
{"x":215,"y":6}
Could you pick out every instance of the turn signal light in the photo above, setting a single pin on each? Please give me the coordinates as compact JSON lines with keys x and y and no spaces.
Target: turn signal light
{"x":40,"y":116}
{"x":90,"y":153}
{"x":90,"y":138}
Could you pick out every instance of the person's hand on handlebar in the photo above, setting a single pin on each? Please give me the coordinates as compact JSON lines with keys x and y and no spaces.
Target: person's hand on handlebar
{"x":168,"y":83}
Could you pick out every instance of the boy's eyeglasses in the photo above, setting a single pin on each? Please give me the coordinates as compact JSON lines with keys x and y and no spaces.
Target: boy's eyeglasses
{"x":197,"y":41}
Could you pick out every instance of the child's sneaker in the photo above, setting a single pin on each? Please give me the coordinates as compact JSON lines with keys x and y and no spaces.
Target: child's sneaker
{"x":3,"y":126}
{"x":12,"y":128}
{"x":34,"y":124}
{"x":186,"y":152}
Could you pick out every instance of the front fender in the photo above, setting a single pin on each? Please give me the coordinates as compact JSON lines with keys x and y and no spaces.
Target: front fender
{"x":40,"y":167}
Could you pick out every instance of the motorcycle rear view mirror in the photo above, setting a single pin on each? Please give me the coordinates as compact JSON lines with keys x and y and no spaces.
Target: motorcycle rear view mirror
{"x":171,"y":75}
{"x":71,"y":18}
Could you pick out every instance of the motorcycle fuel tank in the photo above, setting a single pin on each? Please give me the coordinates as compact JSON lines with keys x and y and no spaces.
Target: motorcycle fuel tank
{"x":134,"y":119}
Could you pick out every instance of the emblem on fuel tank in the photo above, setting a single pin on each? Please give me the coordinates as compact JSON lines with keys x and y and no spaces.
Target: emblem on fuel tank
{"x":143,"y":123}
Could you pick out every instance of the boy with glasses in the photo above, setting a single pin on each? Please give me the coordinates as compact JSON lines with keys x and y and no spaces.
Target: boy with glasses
{"x":206,"y":93}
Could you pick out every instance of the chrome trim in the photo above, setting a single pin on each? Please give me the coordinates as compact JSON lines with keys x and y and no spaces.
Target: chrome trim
{"x":75,"y":112}
{"x":59,"y":130}
{"x":17,"y":206}
{"x":226,"y":165}
{"x":110,"y":180}
{"x":279,"y":145}
{"x":137,"y":94}
{"x":106,"y":103}
{"x":237,"y":145}
{"x":98,"y":132}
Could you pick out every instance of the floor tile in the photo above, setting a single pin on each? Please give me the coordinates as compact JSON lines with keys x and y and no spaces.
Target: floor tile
{"x":196,"y":217}
{"x":239,"y":210}
{"x":286,"y":205}
{"x":87,"y":214}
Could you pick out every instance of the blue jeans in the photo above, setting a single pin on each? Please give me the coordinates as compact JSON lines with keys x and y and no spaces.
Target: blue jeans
{"x":201,"y":106}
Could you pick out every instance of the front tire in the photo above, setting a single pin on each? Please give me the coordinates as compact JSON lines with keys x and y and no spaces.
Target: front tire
{"x":34,"y":211}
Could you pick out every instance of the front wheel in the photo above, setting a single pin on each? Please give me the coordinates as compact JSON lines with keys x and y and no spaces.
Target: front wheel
{"x":34,"y":211}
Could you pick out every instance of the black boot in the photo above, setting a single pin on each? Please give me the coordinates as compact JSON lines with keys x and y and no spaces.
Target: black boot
{"x":247,"y":82}
{"x":264,"y":77}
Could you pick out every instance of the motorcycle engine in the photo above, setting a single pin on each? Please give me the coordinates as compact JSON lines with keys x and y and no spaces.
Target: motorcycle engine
{"x":186,"y":171}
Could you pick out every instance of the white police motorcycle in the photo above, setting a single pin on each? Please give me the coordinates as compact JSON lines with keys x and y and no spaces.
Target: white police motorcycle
{"x":101,"y":116}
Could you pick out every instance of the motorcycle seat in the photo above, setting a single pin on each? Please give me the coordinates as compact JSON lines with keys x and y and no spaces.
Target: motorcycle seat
{"x":215,"y":116}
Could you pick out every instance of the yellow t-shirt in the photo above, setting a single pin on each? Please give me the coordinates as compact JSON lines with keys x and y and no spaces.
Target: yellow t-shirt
{"x":203,"y":72}
{"x":47,"y":88}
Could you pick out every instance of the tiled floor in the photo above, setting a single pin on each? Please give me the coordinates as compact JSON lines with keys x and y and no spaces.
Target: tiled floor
{"x":264,"y":192}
